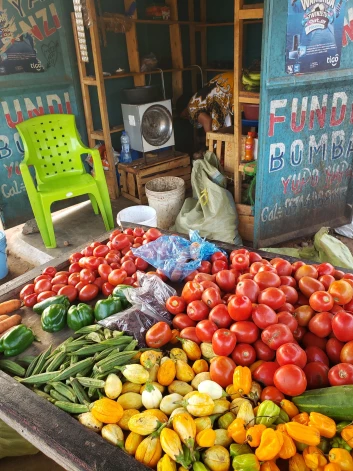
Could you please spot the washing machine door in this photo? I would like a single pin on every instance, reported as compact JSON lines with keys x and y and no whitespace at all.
{"x":157,"y":125}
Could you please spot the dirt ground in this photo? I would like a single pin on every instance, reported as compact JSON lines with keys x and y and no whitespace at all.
{"x":17,"y":267}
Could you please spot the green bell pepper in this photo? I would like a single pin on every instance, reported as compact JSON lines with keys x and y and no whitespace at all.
{"x":60,"y":299}
{"x":118,"y":293}
{"x":54,"y":317}
{"x":267,"y":413}
{"x":79,"y":316}
{"x":247,"y":462}
{"x":338,"y":442}
{"x":16,"y":341}
{"x":107,"y":307}
{"x":237,"y":450}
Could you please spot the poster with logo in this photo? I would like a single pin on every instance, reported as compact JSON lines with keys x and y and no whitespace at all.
{"x":314,"y":35}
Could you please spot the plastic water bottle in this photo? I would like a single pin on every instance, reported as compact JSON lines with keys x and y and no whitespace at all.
{"x":125,"y":155}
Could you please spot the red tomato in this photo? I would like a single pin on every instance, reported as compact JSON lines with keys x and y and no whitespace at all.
{"x":205,"y":267}
{"x":138,"y":232}
{"x":80,"y":285}
{"x":129,"y":267}
{"x":321,"y":324}
{"x":117,"y":277}
{"x":223,"y":342}
{"x":219,"y":256}
{"x":112,"y":257}
{"x":189,"y":333}
{"x":308,"y":286}
{"x":288,"y":281}
{"x":321,"y":301}
{"x":266,"y":279}
{"x":303,"y":314}
{"x":26,"y":290}
{"x":42,"y":285}
{"x":246,"y":332}
{"x":57,"y":288}
{"x":267,"y":268}
{"x":95,"y":244}
{"x":220,"y":316}
{"x":312,"y":340}
{"x":348,"y":277}
{"x":51,"y":271}
{"x":276,"y":335}
{"x":255,"y":267}
{"x":290,"y":293}
{"x":325,"y":269}
{"x":290,"y":379}
{"x":87,"y":276}
{"x":271,"y":393}
{"x":92,"y":263}
{"x":327,"y":280}
{"x":60,"y":279}
{"x":291,"y":354}
{"x":264,"y":373}
{"x":285,"y":317}
{"x":107,"y":288}
{"x":314,"y":353}
{"x":30,"y":299}
{"x":341,"y":374}
{"x":263,"y":351}
{"x":342,"y":326}
{"x":191,"y":276}
{"x":263,"y":316}
{"x":45,"y":295}
{"x":346,"y":355}
{"x":120,"y":242}
{"x":248,"y":288}
{"x":182,"y":321}
{"x":153,"y":234}
{"x":254,"y":257}
{"x":205,"y":277}
{"x":211,"y":297}
{"x":287,"y":307}
{"x":209,"y":284}
{"x":219,"y":265}
{"x":306,"y":270}
{"x":240,"y":262}
{"x":99,"y":282}
{"x":141,"y":265}
{"x":158,"y":335}
{"x":88,"y":292}
{"x":104,"y":271}
{"x":245,"y":276}
{"x":341,"y":291}
{"x":197,"y":310}
{"x":316,"y":375}
{"x":175,"y":305}
{"x":283,"y":267}
{"x":221,"y":370}
{"x":225,"y":279}
{"x":299,"y":333}
{"x":238,"y":251}
{"x":42,"y":277}
{"x":74,"y":268}
{"x":239,"y":307}
{"x":101,"y":251}
{"x":333,"y":350}
{"x":87,"y":252}
{"x":74,"y":278}
{"x":192,"y":291}
{"x":273,"y":297}
{"x":69,"y":291}
{"x":205,"y":330}
{"x":338,"y":274}
{"x":244,"y":354}
{"x":129,"y":281}
{"x":75,"y":257}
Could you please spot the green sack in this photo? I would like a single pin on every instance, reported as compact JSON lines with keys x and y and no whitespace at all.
{"x":12,"y":444}
{"x":211,"y":210}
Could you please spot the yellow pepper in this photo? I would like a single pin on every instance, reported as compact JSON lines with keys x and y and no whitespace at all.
{"x":347,"y":435}
{"x":314,"y":457}
{"x":269,"y":466}
{"x":166,"y":464}
{"x":288,"y":448}
{"x":237,"y":431}
{"x":303,"y":433}
{"x":290,"y":408}
{"x":202,"y":423}
{"x":206,"y":438}
{"x":332,"y":467}
{"x":325,"y":425}
{"x":342,"y":458}
{"x":200,"y":366}
{"x":242,"y":379}
{"x":297,"y":463}
{"x":302,"y":418}
{"x":253,"y":435}
{"x":270,"y":445}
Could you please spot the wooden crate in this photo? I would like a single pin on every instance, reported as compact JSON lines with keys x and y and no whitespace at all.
{"x":246,"y":222}
{"x":134,"y":176}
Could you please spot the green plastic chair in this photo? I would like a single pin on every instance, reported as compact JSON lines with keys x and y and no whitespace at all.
{"x":54,"y":148}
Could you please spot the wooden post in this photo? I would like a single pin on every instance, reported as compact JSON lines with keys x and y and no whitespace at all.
{"x":133,"y":50}
{"x":176,"y":50}
{"x":97,"y":60}
{"x":191,"y":9}
{"x":203,"y":18}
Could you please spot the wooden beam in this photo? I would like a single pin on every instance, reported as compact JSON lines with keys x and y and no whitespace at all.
{"x":191,"y":11}
{"x":133,"y":49}
{"x":203,"y":18}
{"x":251,"y":14}
{"x":176,"y":50}
{"x":98,"y":69}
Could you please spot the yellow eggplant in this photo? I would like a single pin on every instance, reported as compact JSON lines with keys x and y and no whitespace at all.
{"x":130,"y":387}
{"x":130,"y":400}
{"x":217,"y":458}
{"x":144,"y":424}
{"x":124,"y":421}
{"x":191,"y":349}
{"x":136,"y":374}
{"x":222,"y":438}
{"x":178,"y":354}
{"x":180,"y":387}
{"x":206,"y":438}
{"x":171,"y":445}
{"x":199,"y":404}
{"x":236,"y":403}
{"x":113,"y":434}
{"x":157,"y":413}
{"x":132,"y":442}
{"x":151,"y":397}
{"x":166,"y":464}
{"x":88,"y":420}
{"x":213,"y":389}
{"x":200,"y":366}
{"x":246,"y":413}
{"x":184,"y":372}
{"x":185,"y":427}
{"x":221,"y":406}
{"x":153,"y":373}
{"x":166,"y":373}
{"x":170,"y":403}
{"x":179,"y":410}
{"x":155,"y":384}
{"x":113,"y":386}
{"x":207,"y":350}
{"x":107,"y":411}
{"x":149,"y":451}
{"x":199,"y":378}
{"x":150,"y":358}
{"x":202,"y":423}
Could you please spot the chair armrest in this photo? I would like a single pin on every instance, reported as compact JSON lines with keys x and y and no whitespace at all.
{"x":27,"y":178}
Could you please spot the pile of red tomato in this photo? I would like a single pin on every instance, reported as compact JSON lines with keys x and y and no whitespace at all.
{"x":97,"y":268}
{"x":292,"y":324}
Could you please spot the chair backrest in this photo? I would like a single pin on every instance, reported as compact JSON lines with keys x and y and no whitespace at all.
{"x":52,"y":145}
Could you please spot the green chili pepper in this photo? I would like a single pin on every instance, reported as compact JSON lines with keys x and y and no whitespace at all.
{"x":341,"y":425}
{"x":118,"y":293}
{"x":60,"y":299}
{"x":226,"y":420}
{"x":247,"y":462}
{"x":198,"y":466}
{"x":300,"y":446}
{"x":107,"y":307}
{"x":236,"y":450}
{"x":54,"y":317}
{"x":80,"y":316}
{"x":324,"y":445}
{"x":338,"y":442}
{"x":267,"y":413}
{"x":16,"y":341}
{"x":283,"y":417}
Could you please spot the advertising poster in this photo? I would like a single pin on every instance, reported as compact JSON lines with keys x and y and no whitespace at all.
{"x":314,"y":35}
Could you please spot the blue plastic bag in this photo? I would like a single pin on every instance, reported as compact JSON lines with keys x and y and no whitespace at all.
{"x":175,"y":256}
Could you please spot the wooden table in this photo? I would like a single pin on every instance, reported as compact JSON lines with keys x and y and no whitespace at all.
{"x":51,"y":430}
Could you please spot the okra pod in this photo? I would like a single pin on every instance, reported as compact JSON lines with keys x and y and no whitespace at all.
{"x":80,"y":392}
{"x":39,"y":368}
{"x":117,"y":361}
{"x":72,"y":408}
{"x":117,"y":333}
{"x":73,"y":346}
{"x":27,"y":359}
{"x":91,"y":382}
{"x":90,"y":349}
{"x":31,"y":367}
{"x":47,"y":388}
{"x":40,"y":378}
{"x":65,"y":365}
{"x":57,"y":360}
{"x":108,"y":334}
{"x":74,"y":369}
{"x":73,"y":359}
{"x":57,"y":396}
{"x":44,"y":395}
{"x":64,"y":390}
{"x":11,"y":367}
{"x":118,"y":341}
{"x":89,"y":328}
{"x":105,"y":353}
{"x":57,"y":349}
{"x":131,"y":346}
{"x":86,"y":372}
{"x":95,"y":337}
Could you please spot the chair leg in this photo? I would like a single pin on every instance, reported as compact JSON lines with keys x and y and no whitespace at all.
{"x":103,"y":211}
{"x":94,"y":203}
{"x":41,"y":223}
{"x":49,"y":225}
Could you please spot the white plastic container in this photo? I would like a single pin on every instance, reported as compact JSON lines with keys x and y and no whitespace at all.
{"x":166,"y":195}
{"x":144,"y":215}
